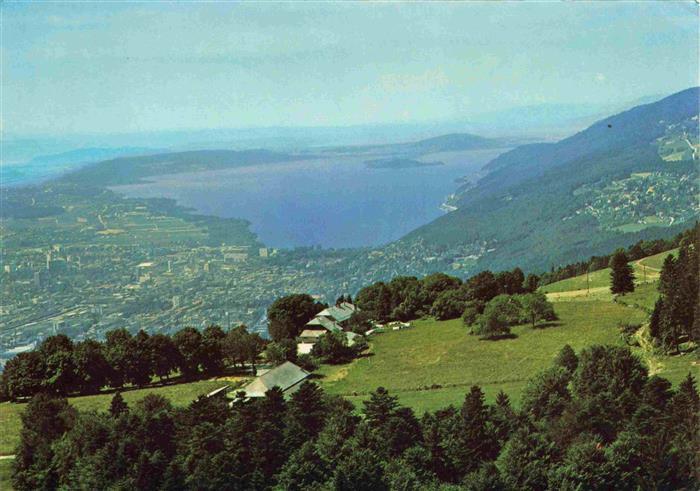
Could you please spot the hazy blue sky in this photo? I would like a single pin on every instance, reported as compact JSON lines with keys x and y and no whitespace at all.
{"x":91,"y":67}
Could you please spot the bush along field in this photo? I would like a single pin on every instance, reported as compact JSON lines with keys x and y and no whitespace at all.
{"x":181,"y":368}
{"x":180,"y":394}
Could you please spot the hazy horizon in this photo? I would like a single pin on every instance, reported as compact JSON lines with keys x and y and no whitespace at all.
{"x":121,"y":69}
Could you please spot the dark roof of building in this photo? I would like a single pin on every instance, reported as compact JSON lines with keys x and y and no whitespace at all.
{"x":287,"y":376}
{"x":324,"y":322}
{"x":339,"y":313}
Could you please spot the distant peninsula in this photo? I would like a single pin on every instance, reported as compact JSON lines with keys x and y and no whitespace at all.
{"x":399,"y":163}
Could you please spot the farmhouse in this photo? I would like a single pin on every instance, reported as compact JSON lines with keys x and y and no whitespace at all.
{"x":328,"y":320}
{"x":287,"y":377}
{"x":338,"y":313}
{"x":324,"y":324}
{"x":307,"y":339}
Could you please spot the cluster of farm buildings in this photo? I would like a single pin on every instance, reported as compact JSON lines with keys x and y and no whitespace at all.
{"x":289,"y":376}
{"x":332,"y":319}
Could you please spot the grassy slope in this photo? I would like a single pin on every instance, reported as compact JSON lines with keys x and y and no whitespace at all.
{"x":179,"y":395}
{"x":657,"y":260}
{"x":406,"y":362}
{"x":648,"y":268}
{"x":5,"y":474}
{"x":409,"y":362}
{"x":674,"y":368}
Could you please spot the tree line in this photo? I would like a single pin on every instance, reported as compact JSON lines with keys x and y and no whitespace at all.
{"x":643,"y":248}
{"x":488,"y":302}
{"x":443,"y":296}
{"x":595,"y":420}
{"x":676,"y":316}
{"x":63,"y":367}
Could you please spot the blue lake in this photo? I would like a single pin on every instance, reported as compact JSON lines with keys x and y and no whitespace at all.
{"x":335,"y":202}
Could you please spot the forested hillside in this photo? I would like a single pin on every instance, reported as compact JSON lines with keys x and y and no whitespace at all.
{"x":625,"y":178}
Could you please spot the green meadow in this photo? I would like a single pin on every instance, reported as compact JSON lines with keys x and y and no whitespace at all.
{"x":5,"y":475}
{"x":645,"y":270}
{"x":657,"y":260}
{"x":434,"y":363}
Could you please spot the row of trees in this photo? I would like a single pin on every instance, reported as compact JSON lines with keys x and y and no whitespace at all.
{"x":60,"y":366}
{"x":594,"y":421}
{"x":440,"y":295}
{"x":641,"y":249}
{"x":676,"y":315}
{"x":446,"y":297}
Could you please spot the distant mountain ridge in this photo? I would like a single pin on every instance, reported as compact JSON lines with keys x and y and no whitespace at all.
{"x":132,"y":169}
{"x":129,"y":170}
{"x":640,"y":125}
{"x":43,"y":167}
{"x":536,"y":206}
{"x":443,"y":143}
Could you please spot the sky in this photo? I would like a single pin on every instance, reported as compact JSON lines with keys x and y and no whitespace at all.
{"x":71,"y":68}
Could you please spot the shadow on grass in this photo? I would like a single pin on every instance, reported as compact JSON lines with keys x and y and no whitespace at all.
{"x":498,"y":337}
{"x":547,"y":325}
{"x":173,"y":381}
{"x":155,"y":383}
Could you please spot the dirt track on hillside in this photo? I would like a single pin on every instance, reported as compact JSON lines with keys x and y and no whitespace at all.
{"x":577,"y":293}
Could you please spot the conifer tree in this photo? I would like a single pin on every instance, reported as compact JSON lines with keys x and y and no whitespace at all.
{"x":673,"y":320}
{"x":567,"y":359}
{"x":621,"y":276}
{"x":306,"y":414}
{"x":474,"y":441}
{"x":503,"y":418}
{"x":380,"y":407}
{"x":118,"y":405}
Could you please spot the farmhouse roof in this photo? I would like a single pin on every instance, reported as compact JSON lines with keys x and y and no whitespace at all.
{"x":324,"y":322}
{"x":312,"y":333}
{"x":339,"y":314}
{"x":287,"y":377}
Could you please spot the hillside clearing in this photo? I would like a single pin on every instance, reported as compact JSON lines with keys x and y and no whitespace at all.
{"x":646,"y":270}
{"x":434,"y":363}
{"x":642,"y":299}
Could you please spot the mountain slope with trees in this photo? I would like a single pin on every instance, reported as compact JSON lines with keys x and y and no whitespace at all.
{"x":538,"y":206}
